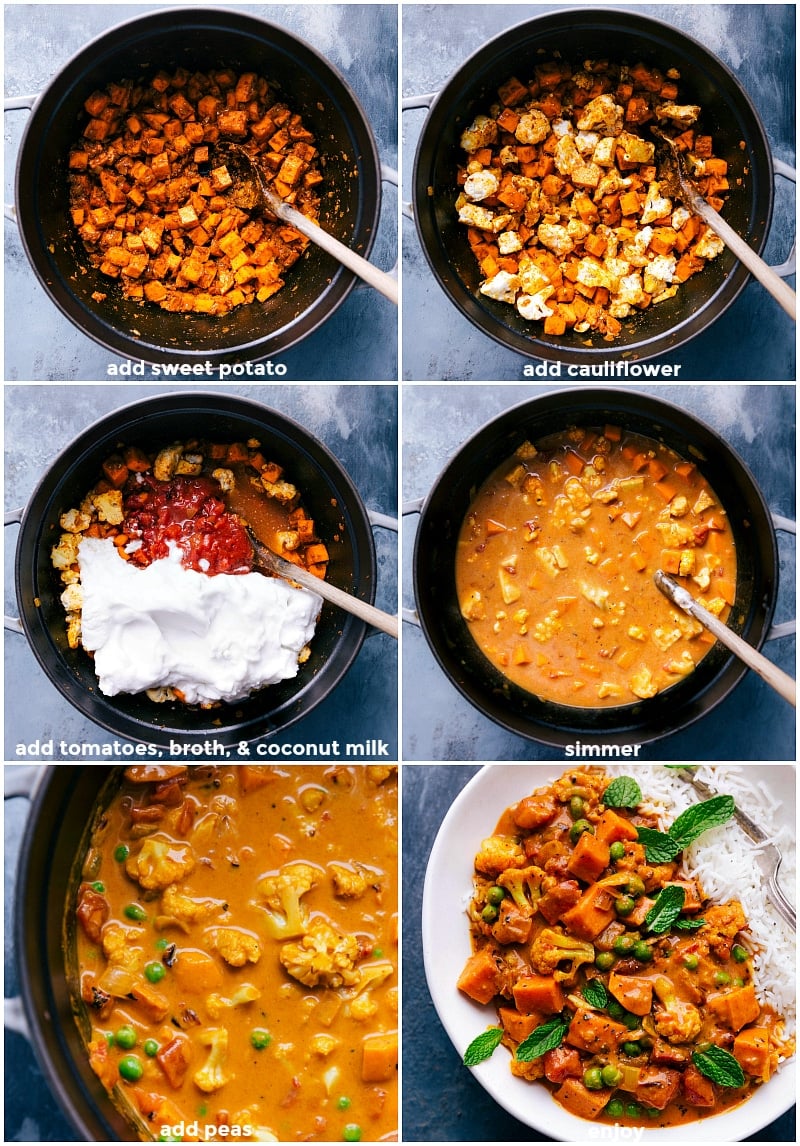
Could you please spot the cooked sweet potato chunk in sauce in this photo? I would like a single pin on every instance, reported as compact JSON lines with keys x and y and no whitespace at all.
{"x":156,"y":206}
{"x":237,"y":967}
{"x":637,"y":1002}
{"x":555,"y":564}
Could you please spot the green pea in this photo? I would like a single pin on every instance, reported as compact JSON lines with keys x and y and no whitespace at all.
{"x":150,"y":1048}
{"x":155,"y":972}
{"x":162,"y":944}
{"x":615,"y":1108}
{"x":632,"y":1022}
{"x":351,"y":1132}
{"x":489,"y":913}
{"x":202,"y":1110}
{"x":578,"y":828}
{"x":631,"y":1049}
{"x":495,"y":895}
{"x":377,"y":953}
{"x":635,"y":887}
{"x":617,"y":850}
{"x":739,"y":953}
{"x":612,"y":1075}
{"x":624,"y":905}
{"x":604,"y":961}
{"x":615,"y":1009}
{"x":642,"y":951}
{"x":260,"y":1039}
{"x":651,"y":1112}
{"x":130,"y":1068}
{"x":593,"y":1078}
{"x":135,"y":911}
{"x":623,"y":945}
{"x":125,"y":1038}
{"x":343,"y":1103}
{"x":110,"y":1040}
{"x":576,"y":806}
{"x":691,"y":962}
{"x":721,"y":978}
{"x":98,"y":886}
{"x":633,"y":1110}
{"x":737,"y":982}
{"x":121,"y":853}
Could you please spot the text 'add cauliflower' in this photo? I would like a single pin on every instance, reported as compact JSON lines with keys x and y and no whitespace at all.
{"x":323,"y":957}
{"x":282,"y":893}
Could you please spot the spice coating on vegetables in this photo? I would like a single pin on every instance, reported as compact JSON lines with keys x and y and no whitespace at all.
{"x":217,"y":1006}
{"x":569,"y":214}
{"x":617,"y":983}
{"x":156,"y":206}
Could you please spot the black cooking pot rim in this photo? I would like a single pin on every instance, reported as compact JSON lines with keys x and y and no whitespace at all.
{"x":256,"y":725}
{"x":481,"y":312}
{"x":94,"y":323}
{"x":560,"y":728}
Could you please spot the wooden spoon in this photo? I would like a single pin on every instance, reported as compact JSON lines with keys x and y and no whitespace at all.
{"x":273,"y":563}
{"x":772,"y":282}
{"x":251,"y":190}
{"x":775,"y":677}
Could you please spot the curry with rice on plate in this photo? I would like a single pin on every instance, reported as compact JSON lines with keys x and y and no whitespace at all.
{"x":618,"y":983}
{"x":233,"y":938}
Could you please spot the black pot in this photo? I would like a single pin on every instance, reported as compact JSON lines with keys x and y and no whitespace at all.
{"x":331,"y":498}
{"x":59,"y":822}
{"x":199,"y":39}
{"x":434,"y":569}
{"x":623,"y":37}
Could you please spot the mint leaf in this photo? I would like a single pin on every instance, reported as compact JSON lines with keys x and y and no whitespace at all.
{"x":595,"y":994}
{"x":622,"y":793}
{"x":688,"y":924}
{"x":483,"y":1046}
{"x":658,"y":846}
{"x":720,"y":1066}
{"x":699,"y":818}
{"x":666,"y":909}
{"x":546,"y":1037}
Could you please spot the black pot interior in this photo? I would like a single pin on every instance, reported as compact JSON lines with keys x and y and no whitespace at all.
{"x":198,"y":39}
{"x":61,"y":818}
{"x":330,"y":498}
{"x":622,"y":37}
{"x":434,"y":568}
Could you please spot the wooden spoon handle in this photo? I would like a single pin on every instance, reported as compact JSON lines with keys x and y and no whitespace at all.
{"x":335,"y":596}
{"x":775,"y":677}
{"x":772,"y":282}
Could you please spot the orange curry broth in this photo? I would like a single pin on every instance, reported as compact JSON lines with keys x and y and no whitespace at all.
{"x":201,"y":841}
{"x":555,"y":563}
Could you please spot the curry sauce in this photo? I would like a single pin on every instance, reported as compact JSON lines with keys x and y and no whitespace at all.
{"x":237,"y":951}
{"x":555,"y":563}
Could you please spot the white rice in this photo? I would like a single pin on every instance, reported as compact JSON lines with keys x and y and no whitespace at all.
{"x":730,"y":865}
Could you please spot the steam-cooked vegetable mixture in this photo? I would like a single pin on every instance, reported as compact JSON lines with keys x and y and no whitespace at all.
{"x":236,"y":937}
{"x":616,"y":982}
{"x":568,"y":214}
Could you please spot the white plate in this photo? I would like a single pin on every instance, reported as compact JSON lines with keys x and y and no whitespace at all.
{"x":446,"y":947}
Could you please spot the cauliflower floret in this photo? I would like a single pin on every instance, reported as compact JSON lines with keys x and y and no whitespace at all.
{"x":109,"y":506}
{"x":642,"y":684}
{"x":186,"y":909}
{"x":680,"y":217}
{"x":160,"y":862}
{"x":603,"y":153}
{"x":481,"y":217}
{"x":591,"y":273}
{"x":480,"y":185}
{"x":348,"y":882}
{"x":677,"y":1022}
{"x":556,"y":238}
{"x":282,"y":892}
{"x":497,"y":853}
{"x":586,"y":142}
{"x":533,"y":127}
{"x":656,"y":206}
{"x":74,"y":630}
{"x":636,"y":149}
{"x":708,"y":246}
{"x":323,"y":957}
{"x":481,"y":133}
{"x":167,"y":461}
{"x":212,"y":1074}
{"x":682,"y":114}
{"x":190,"y":465}
{"x":604,"y":114}
{"x":503,"y":286}
{"x":630,"y":290}
{"x":216,"y":1004}
{"x":74,"y":521}
{"x":567,"y":157}
{"x":659,"y":272}
{"x":533,"y":307}
{"x":282,"y":491}
{"x":532,"y":279}
{"x":635,"y":250}
{"x":72,"y":598}
{"x":551,"y":947}
{"x":226,"y":479}
{"x":119,"y":948}
{"x":509,"y":242}
{"x":236,"y":947}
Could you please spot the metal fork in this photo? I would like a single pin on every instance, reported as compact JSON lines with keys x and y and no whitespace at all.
{"x":771,"y":852}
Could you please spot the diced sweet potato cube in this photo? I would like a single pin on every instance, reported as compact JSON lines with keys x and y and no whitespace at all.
{"x":538,"y":993}
{"x":317,"y":554}
{"x":379,"y":1057}
{"x":611,"y":827}
{"x":590,"y":857}
{"x":583,"y":1103}
{"x":480,"y":978}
